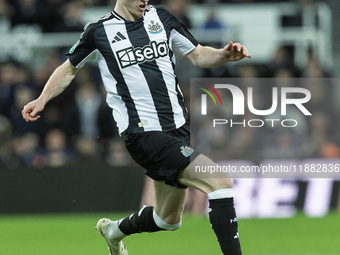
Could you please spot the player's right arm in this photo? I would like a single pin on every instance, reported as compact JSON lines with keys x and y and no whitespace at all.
{"x":55,"y":85}
{"x":82,"y":51}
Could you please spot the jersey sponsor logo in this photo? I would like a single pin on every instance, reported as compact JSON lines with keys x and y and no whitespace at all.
{"x":132,"y":56}
{"x":154,"y":28}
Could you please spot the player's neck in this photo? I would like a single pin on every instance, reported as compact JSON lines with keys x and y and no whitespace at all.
{"x":124,"y":12}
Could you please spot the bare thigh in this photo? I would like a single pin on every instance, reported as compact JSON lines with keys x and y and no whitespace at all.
{"x":169,"y":202}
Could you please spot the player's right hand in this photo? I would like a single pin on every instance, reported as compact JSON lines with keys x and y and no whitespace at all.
{"x":31,"y":110}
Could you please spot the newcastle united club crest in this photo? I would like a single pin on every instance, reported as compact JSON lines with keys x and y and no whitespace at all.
{"x":186,"y":151}
{"x":154,"y":28}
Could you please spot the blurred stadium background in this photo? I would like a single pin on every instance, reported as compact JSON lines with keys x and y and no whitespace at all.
{"x":73,"y":161}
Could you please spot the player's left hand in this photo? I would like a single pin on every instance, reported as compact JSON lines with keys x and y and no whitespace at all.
{"x":235,"y":51}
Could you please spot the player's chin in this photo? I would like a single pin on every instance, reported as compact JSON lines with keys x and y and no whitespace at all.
{"x":139,"y":13}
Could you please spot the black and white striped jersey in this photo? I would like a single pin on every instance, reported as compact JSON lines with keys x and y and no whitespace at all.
{"x":137,"y":66}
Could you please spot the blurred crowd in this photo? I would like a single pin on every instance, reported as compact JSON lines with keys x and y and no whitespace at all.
{"x":77,"y":127}
{"x":65,"y":15}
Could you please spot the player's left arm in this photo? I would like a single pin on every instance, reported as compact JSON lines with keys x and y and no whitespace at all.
{"x":209,"y":57}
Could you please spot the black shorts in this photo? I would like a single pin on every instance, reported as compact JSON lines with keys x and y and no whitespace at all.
{"x":163,"y":154}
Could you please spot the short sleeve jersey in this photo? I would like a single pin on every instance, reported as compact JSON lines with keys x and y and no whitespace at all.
{"x":137,"y":65}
